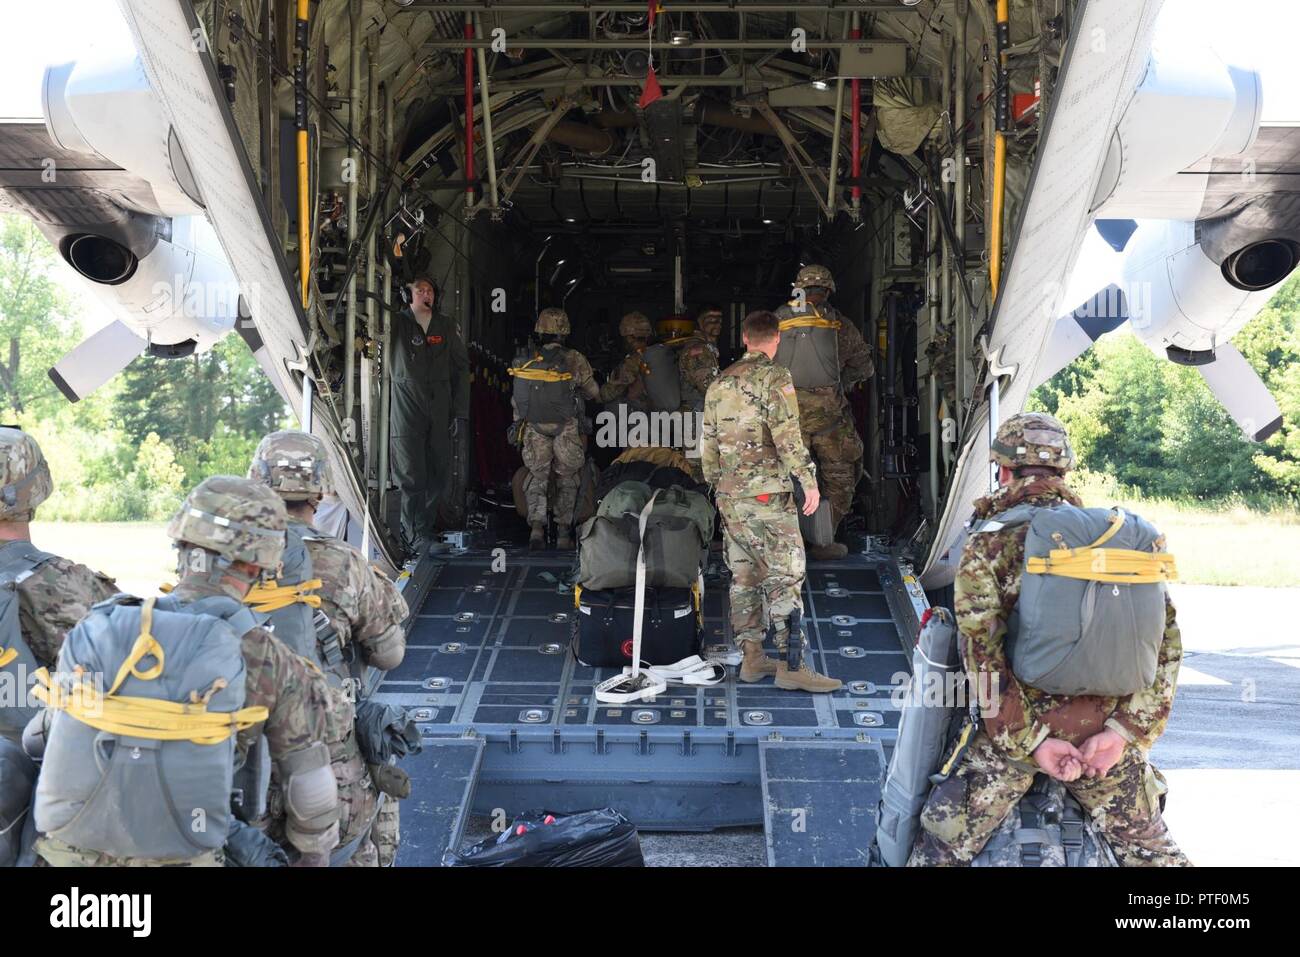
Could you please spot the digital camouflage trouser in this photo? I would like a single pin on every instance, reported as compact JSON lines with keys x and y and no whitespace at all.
{"x":962,"y":812}
{"x":831,"y":437}
{"x":559,"y":447}
{"x":766,"y":557}
{"x":55,"y":853}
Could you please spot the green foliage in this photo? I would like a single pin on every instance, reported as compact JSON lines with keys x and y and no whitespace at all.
{"x":130,"y":450}
{"x":1156,"y":427}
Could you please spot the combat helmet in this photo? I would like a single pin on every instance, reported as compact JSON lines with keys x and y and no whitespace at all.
{"x":294,"y":464}
{"x":236,"y":518}
{"x":552,"y":321}
{"x":818,"y":276}
{"x":24,"y":475}
{"x":1032,"y":438}
{"x":635,"y":326}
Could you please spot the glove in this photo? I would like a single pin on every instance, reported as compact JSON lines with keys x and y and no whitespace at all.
{"x":249,"y":847}
{"x":392,"y":780}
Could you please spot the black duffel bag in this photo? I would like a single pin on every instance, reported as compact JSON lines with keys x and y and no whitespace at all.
{"x":602,"y":632}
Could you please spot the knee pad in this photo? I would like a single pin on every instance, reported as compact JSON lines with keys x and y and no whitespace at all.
{"x":311,"y":799}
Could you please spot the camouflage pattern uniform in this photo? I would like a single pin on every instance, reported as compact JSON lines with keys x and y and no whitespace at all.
{"x":627,"y":380}
{"x":825,"y":419}
{"x":998,"y":767}
{"x":296,"y":695}
{"x":749,"y":448}
{"x":561,"y":447}
{"x":366,"y":611}
{"x":697,"y":367}
{"x":59,"y":592}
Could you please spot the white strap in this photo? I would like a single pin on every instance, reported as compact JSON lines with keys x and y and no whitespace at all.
{"x":626,"y":688}
{"x":693,"y":671}
{"x":638,"y":607}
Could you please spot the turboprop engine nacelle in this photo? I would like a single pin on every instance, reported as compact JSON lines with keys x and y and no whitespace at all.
{"x":1182,"y":303}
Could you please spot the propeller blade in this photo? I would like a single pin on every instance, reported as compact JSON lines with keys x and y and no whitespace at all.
{"x":1075,"y":332}
{"x":96,"y":360}
{"x":1242,"y":393}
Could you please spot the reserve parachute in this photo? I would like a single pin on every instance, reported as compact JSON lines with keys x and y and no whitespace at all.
{"x":662,"y":386}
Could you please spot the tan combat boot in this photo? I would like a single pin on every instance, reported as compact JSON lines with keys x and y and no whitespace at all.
{"x":756,"y":665}
{"x":537,"y":538}
{"x":564,"y":541}
{"x":827,"y":553}
{"x":805,"y":679}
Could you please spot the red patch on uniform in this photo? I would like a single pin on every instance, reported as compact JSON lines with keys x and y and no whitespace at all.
{"x":433,"y":340}
{"x":626,"y":648}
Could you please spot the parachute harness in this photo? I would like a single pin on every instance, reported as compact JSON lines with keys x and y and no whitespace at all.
{"x":1113,"y":565}
{"x":271,"y":596}
{"x":146,"y":717}
{"x":538,"y":375}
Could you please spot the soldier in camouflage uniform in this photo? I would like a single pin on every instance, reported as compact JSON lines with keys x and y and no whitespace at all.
{"x":229,"y":534}
{"x":749,"y":448}
{"x":547,"y":417}
{"x":697,"y":359}
{"x":1097,"y":746}
{"x":627,"y":379}
{"x":365,"y":611}
{"x":825,"y":367}
{"x":53,"y":593}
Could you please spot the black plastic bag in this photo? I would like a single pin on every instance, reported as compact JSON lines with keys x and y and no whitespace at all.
{"x":599,"y":838}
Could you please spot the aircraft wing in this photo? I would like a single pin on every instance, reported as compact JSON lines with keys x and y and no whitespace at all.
{"x":1105,"y":59}
{"x":184,"y":77}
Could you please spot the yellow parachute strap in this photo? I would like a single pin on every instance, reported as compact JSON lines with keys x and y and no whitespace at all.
{"x":538,"y":375}
{"x":146,"y":717}
{"x":270,"y":596}
{"x":963,"y":740}
{"x":1112,"y":565}
{"x":166,"y":588}
{"x":577,"y":596}
{"x":8,"y":655}
{"x":815,"y":321}
{"x":677,"y":341}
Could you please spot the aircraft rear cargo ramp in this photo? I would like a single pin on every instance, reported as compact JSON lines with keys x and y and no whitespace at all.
{"x":488,"y":660}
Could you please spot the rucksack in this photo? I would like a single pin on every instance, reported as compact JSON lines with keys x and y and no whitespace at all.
{"x":677,"y":536}
{"x":114,"y":779}
{"x":1091,"y":614}
{"x":809,"y":348}
{"x":543,"y":389}
{"x":17,"y":663}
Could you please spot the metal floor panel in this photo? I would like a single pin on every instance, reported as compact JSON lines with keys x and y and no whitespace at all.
{"x":443,"y":777}
{"x":488,"y":657}
{"x":819,"y":801}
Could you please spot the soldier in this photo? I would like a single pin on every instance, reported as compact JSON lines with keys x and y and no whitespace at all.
{"x":826,"y":356}
{"x":53,"y":594}
{"x":749,"y":448}
{"x":1097,"y":745}
{"x":363,"y":613}
{"x":697,"y":358}
{"x":161,"y":796}
{"x":548,"y":411}
{"x":646,"y":379}
{"x":430,"y":405}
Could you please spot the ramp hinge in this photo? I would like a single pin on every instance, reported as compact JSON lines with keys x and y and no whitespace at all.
{"x":600,"y":742}
{"x":730,"y":747}
{"x":557,"y":745}
{"x":688,"y":749}
{"x":513,"y":745}
{"x":643,"y":744}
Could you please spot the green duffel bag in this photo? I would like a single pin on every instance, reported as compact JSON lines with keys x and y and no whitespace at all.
{"x":677,"y":536}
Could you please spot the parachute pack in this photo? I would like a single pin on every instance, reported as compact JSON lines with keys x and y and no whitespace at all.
{"x":1091,"y":614}
{"x":17,"y":663}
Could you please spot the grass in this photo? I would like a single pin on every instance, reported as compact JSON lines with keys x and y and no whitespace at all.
{"x":1233,"y":541}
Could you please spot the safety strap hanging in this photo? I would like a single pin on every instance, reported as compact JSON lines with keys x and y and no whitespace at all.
{"x":148,"y":718}
{"x":637,"y":685}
